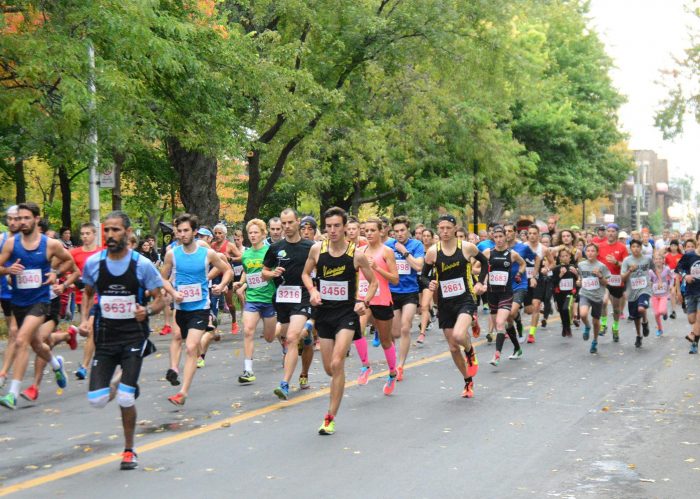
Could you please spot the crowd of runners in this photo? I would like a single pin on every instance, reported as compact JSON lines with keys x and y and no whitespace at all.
{"x":333,"y":290}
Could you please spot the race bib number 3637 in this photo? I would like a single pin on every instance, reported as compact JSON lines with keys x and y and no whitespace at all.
{"x":118,"y":307}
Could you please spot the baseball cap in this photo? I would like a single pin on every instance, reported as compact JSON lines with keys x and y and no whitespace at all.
{"x":613,"y":226}
{"x":622,"y":234}
{"x":601,"y":227}
{"x":203,"y":231}
{"x":308,"y":219}
{"x":448,"y":218}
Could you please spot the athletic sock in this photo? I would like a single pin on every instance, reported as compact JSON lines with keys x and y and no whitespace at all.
{"x":248,"y":365}
{"x":390,"y":354}
{"x":533,"y":330}
{"x":500,"y":340}
{"x":55,"y":365}
{"x":514,"y":339}
{"x":616,"y":325}
{"x":15,"y":385}
{"x":604,"y":321}
{"x":362,"y":350}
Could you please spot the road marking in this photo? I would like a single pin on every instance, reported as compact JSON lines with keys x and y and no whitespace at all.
{"x":172,"y":439}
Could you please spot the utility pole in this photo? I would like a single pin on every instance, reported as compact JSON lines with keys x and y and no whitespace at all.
{"x":94,"y":187}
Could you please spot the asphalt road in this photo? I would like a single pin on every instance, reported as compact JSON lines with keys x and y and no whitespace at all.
{"x":559,"y":422}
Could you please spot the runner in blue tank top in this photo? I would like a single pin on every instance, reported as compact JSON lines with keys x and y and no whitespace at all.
{"x":190,"y":264}
{"x":12,"y":230}
{"x":30,"y":254}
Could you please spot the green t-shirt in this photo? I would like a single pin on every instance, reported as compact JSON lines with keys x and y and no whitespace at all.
{"x":258,"y":290}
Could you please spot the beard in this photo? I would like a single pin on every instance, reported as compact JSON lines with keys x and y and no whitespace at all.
{"x":29,"y":229}
{"x":115,"y":246}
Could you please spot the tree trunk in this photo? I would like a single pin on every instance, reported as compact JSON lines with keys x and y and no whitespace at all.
{"x":197,"y":175}
{"x":119,"y":159}
{"x":20,"y":182}
{"x":64,"y":184}
{"x":252,"y":206}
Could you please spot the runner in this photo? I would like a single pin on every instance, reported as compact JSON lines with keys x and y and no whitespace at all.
{"x":501,"y":259}
{"x":222,"y":245}
{"x":456,"y":294}
{"x":536,"y":273}
{"x":13,"y":227}
{"x":190,"y":264}
{"x":258,"y":296}
{"x":275,"y":228}
{"x":662,"y":279}
{"x":336,"y":263}
{"x":284,"y":262}
{"x":592,"y":278}
{"x":426,"y":296}
{"x":32,"y":277}
{"x":382,"y":262}
{"x":672,"y":257}
{"x":635,"y":273}
{"x":688,"y":270}
{"x":611,"y":253}
{"x":564,"y":277}
{"x":409,"y":255}
{"x":118,"y":276}
{"x":352,"y":233}
{"x":519,"y":285}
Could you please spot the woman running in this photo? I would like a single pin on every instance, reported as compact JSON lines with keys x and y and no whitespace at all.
{"x":661,"y":285}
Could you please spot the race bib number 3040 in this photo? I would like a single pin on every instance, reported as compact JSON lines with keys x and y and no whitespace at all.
{"x":29,"y":279}
{"x":118,"y":307}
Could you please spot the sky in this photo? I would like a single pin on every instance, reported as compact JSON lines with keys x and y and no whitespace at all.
{"x":642,"y":37}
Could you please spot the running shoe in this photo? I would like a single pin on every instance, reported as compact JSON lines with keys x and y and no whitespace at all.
{"x":616,"y":333}
{"x":563,"y":332}
{"x":517,"y":354}
{"x":472,"y":362}
{"x":171,"y":375}
{"x":282,"y":391}
{"x":30,"y":394}
{"x":659,"y":333}
{"x":530,"y":338}
{"x":399,"y":373}
{"x":246,"y":378}
{"x":365,"y":373}
{"x":200,"y":362}
{"x":693,"y":350}
{"x":177,"y":399}
{"x":577,"y":323}
{"x":496,"y":359}
{"x":390,"y":385}
{"x":603,"y":330}
{"x":129,"y":461}
{"x":673,"y":314}
{"x":165,"y":330}
{"x":9,"y":401}
{"x":468,"y":391}
{"x":586,"y":332}
{"x":375,"y":340}
{"x":328,"y":426}
{"x":421,"y":339}
{"x":638,"y":342}
{"x":72,"y":337}
{"x":489,"y":337}
{"x":304,"y":382}
{"x":645,"y":329}
{"x":476,"y":328}
{"x":60,"y":373}
{"x":543,"y":323}
{"x":594,"y":346}
{"x":234,"y":328}
{"x":665,"y":316}
{"x":81,"y":373}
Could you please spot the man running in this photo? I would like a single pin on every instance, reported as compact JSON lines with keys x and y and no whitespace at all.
{"x":336,"y":263}
{"x":119,"y":276}
{"x":190,"y":292}
{"x":536,"y":273}
{"x":688,"y":270}
{"x":451,"y":260}
{"x":611,"y":253}
{"x":222,"y":245}
{"x":635,"y":275}
{"x":409,"y":255}
{"x":12,"y":230}
{"x":284,"y":262}
{"x":31,"y":253}
{"x":275,"y":229}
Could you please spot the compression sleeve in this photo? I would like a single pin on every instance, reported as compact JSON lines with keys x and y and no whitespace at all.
{"x":425,"y":274}
{"x":479,"y":257}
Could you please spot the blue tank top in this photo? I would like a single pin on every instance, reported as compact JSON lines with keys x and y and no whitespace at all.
{"x":191,"y":271}
{"x":5,"y":289}
{"x":27,"y":287}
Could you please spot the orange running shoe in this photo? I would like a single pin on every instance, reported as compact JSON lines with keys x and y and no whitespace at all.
{"x":399,"y":373}
{"x":472,"y":362}
{"x":166,"y":330}
{"x":73,"y":338}
{"x":178,"y":399}
{"x":234,"y":328}
{"x":468,"y":391}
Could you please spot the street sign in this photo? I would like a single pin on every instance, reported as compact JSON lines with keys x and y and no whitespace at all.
{"x":107,"y":179}
{"x":609,"y":218}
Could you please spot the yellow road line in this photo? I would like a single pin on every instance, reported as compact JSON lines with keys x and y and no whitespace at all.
{"x":172,"y":439}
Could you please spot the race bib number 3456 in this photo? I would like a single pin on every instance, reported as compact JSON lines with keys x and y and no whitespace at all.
{"x":334,"y":290}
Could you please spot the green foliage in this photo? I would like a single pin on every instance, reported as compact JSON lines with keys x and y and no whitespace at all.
{"x":656,"y":221}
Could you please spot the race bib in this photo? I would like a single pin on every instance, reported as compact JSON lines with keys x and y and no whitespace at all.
{"x":452,"y":287}
{"x":118,"y":307}
{"x":615,"y":281}
{"x":659,"y":288}
{"x":638,"y":282}
{"x":190,"y":292}
{"x":288,"y":294}
{"x":590,"y":283}
{"x":255,"y":281}
{"x":498,"y":278}
{"x":363,"y":286}
{"x":695,"y":271}
{"x":529,"y":272}
{"x":566,"y":284}
{"x":334,"y":290}
{"x":237,"y":270}
{"x":403,"y":267}
{"x":29,"y":279}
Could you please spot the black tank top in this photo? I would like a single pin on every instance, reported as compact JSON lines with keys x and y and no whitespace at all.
{"x":499,"y":279}
{"x":337,"y":278}
{"x":453,"y":274}
{"x":118,"y":296}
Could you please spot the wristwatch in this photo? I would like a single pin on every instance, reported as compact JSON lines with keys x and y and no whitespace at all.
{"x":149,"y":311}
{"x":405,"y":254}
